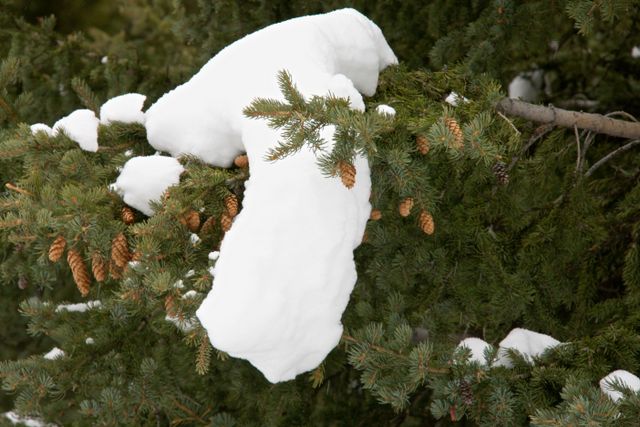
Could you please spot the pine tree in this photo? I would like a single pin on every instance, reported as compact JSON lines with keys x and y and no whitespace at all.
{"x":512,"y":223}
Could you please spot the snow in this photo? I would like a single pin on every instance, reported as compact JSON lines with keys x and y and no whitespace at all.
{"x":179,"y":284}
{"x":626,"y":378}
{"x":635,"y":52}
{"x":89,"y":341}
{"x":145,"y":178}
{"x":26,"y":421}
{"x":185,"y":325}
{"x":41,"y":127}
{"x":527,"y":86}
{"x":190,"y":273}
{"x":194,"y":239}
{"x":54,"y":353}
{"x":286,"y":267}
{"x":530,"y":344}
{"x":124,"y":108}
{"x":104,"y":59}
{"x":79,"y":307}
{"x":82,"y":127}
{"x":454,"y":99}
{"x":214,"y":255}
{"x":190,"y":294}
{"x":386,"y":109}
{"x":477,"y":347}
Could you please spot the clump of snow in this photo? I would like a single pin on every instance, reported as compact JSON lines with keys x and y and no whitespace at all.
{"x":190,"y":294}
{"x":145,"y":178}
{"x":41,"y":127}
{"x":79,"y":307}
{"x":54,"y":353}
{"x":178,"y":284}
{"x":190,"y":273}
{"x":214,"y":255}
{"x":89,"y":341}
{"x":26,"y":421}
{"x":477,"y":347}
{"x":104,"y":59}
{"x":530,"y":344}
{"x":635,"y":52}
{"x":386,"y":109}
{"x":124,"y":108}
{"x":185,"y":324}
{"x":623,"y":377}
{"x":194,"y":239}
{"x":527,"y":86}
{"x":286,"y":267}
{"x":82,"y":127}
{"x":454,"y":99}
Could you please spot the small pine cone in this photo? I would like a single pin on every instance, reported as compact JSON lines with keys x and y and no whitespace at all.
{"x":79,"y":271}
{"x":128,"y":217}
{"x":375,"y":215}
{"x":120,"y":250}
{"x":191,"y":220}
{"x":231,"y":204}
{"x":347,"y":174}
{"x":455,"y":129}
{"x":241,"y":161}
{"x":57,"y":249}
{"x":114,"y":271}
{"x":225,"y":222}
{"x":501,"y":173}
{"x":423,"y":144}
{"x":170,"y":305}
{"x":208,"y":226}
{"x":426,"y":222}
{"x":98,"y":267}
{"x":466,"y":393}
{"x":405,"y":207}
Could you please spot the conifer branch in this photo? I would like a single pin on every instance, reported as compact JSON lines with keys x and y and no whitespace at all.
{"x":568,"y":119}
{"x":9,"y":110}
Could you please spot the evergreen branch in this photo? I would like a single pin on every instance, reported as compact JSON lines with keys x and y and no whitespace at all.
{"x":13,"y":115}
{"x":611,"y":155}
{"x":568,"y":119}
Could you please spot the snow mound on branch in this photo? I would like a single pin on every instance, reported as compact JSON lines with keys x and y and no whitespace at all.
{"x":145,"y":178}
{"x":82,"y":127}
{"x":386,"y":109}
{"x":79,"y":307}
{"x":454,"y":99}
{"x":527,"y":86}
{"x":26,"y":421}
{"x":125,"y":108}
{"x":286,"y":267}
{"x":54,"y":353}
{"x":626,"y":378}
{"x":41,"y":127}
{"x":530,"y":344}
{"x":477,"y":347}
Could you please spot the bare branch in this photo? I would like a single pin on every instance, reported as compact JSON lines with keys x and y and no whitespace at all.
{"x":609,"y":156}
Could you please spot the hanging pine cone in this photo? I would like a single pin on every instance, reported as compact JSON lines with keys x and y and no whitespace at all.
{"x":231,"y":204}
{"x":501,"y":173}
{"x":425,"y":221}
{"x":191,"y":219}
{"x":57,"y":249}
{"x":466,"y":393}
{"x":98,"y":267}
{"x":120,"y":250}
{"x":225,"y":222}
{"x":79,"y":271}
{"x":375,"y":215}
{"x":208,"y":226}
{"x":347,"y":174}
{"x":455,"y":129}
{"x":128,"y":217}
{"x":423,"y":144}
{"x":242,"y":161}
{"x":405,"y":207}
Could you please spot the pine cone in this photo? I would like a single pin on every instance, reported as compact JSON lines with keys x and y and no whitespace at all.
{"x":208,"y":226}
{"x":426,"y":222}
{"x":466,"y":392}
{"x":169,"y":305}
{"x":501,"y":173}
{"x":57,"y":249}
{"x":241,"y":161}
{"x":375,"y":215}
{"x":226,"y":221}
{"x":423,"y":144}
{"x":405,"y":207}
{"x":98,"y":267}
{"x":231,"y":204}
{"x":128,"y":217}
{"x":120,"y":251}
{"x":347,"y":174}
{"x":114,"y":271}
{"x":455,"y":129}
{"x":191,"y":219}
{"x":79,"y":271}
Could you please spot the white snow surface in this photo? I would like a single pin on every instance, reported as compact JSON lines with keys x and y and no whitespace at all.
{"x":125,"y":108}
{"x":386,"y":109}
{"x":145,"y":178}
{"x":82,"y":127}
{"x":530,"y":344}
{"x":454,"y":99}
{"x":477,"y":347}
{"x":286,"y":268}
{"x":79,"y":307}
{"x":214,"y":255}
{"x":635,"y":52}
{"x":625,"y":377}
{"x":527,"y":86}
{"x":54,"y":353}
{"x":26,"y":421}
{"x":41,"y":127}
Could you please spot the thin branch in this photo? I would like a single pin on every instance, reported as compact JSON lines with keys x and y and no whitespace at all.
{"x":579,"y":154}
{"x":510,"y":123}
{"x":12,"y":187}
{"x":611,"y":155}
{"x":568,"y":119}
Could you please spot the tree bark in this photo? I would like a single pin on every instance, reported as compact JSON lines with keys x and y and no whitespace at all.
{"x":569,"y":119}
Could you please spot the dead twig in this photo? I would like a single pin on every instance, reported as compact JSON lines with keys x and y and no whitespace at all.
{"x":611,"y":155}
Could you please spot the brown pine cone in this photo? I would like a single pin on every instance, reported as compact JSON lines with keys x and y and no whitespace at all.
{"x":347,"y":174}
{"x":455,"y":129}
{"x":405,"y":207}
{"x":225,"y":222}
{"x":169,"y":305}
{"x":128,"y":217}
{"x":208,"y":226}
{"x":120,"y":250}
{"x":98,"y":267}
{"x":501,"y":172}
{"x":375,"y":215}
{"x":242,"y":161}
{"x":231,"y":204}
{"x":191,"y":219}
{"x":423,"y":144}
{"x":79,"y":271}
{"x":57,"y":249}
{"x":425,"y":221}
